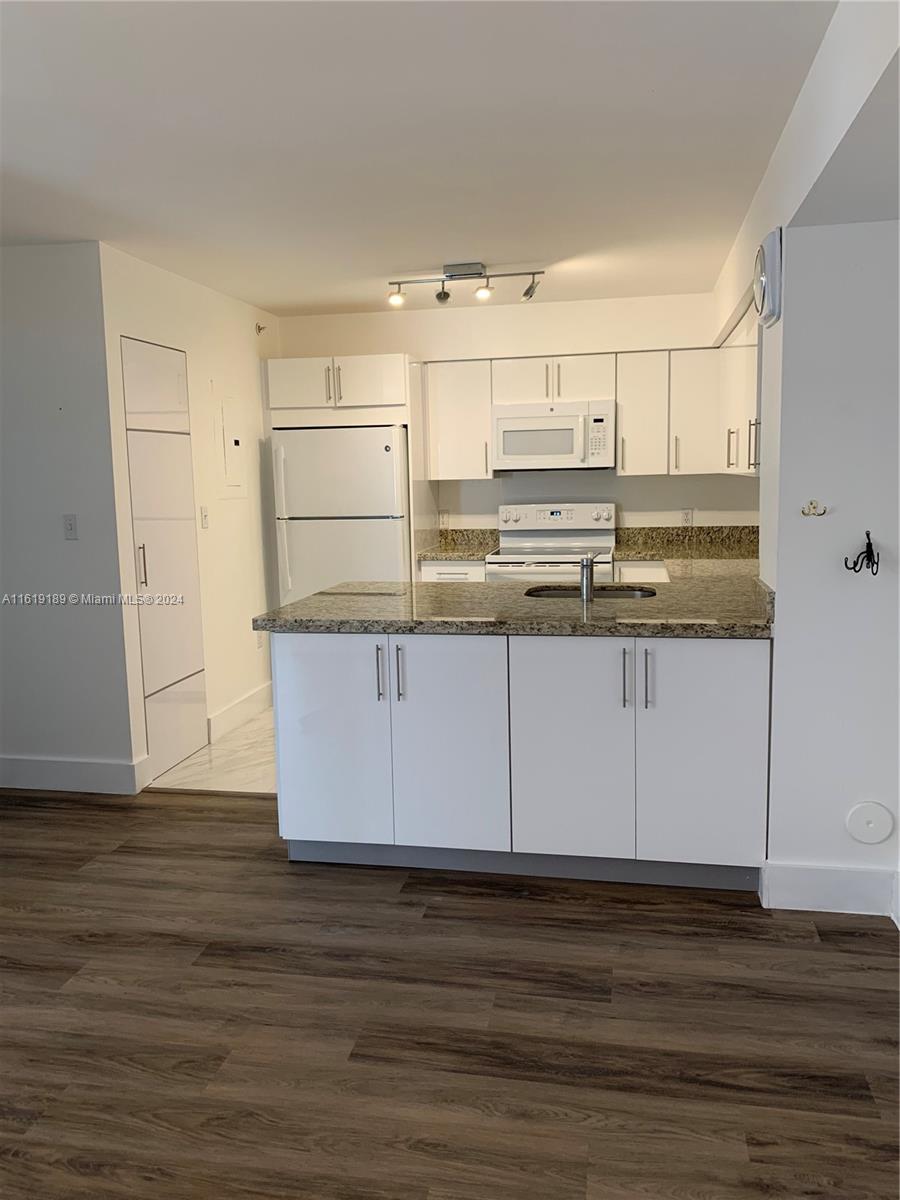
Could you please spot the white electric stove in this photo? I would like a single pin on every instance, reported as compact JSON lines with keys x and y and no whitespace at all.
{"x":548,"y":541}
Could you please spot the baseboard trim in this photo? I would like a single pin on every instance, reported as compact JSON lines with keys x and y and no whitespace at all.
{"x":239,"y":711}
{"x":828,"y":888}
{"x":553,"y":866}
{"x":100,"y":775}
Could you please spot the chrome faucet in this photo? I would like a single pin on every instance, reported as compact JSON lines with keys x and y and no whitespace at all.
{"x":587,"y":579}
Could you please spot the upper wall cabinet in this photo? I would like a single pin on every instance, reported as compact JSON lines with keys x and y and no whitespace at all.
{"x":543,"y":380}
{"x":642,"y":403}
{"x":458,"y":407}
{"x":155,"y":384}
{"x":352,"y":381}
{"x":695,"y":444}
{"x":740,"y":410}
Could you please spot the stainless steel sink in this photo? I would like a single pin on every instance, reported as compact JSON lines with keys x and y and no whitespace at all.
{"x":603,"y":591}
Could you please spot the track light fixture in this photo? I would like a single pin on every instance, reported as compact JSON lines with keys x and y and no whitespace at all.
{"x":454,"y":272}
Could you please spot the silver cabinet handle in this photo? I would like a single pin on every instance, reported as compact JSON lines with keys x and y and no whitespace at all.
{"x":646,"y":678}
{"x":487,"y":469}
{"x":452,"y":574}
{"x":328,"y":385}
{"x":142,"y":551}
{"x":622,"y":453}
{"x":755,"y":461}
{"x":547,"y":380}
{"x":400,"y":692}
{"x":624,"y":677}
{"x":732,"y":433}
{"x":749,"y":445}
{"x":677,"y":452}
{"x":559,"y":380}
{"x":379,"y":679}
{"x":340,"y":390}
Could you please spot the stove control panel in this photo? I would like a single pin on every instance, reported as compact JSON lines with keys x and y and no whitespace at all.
{"x":559,"y":515}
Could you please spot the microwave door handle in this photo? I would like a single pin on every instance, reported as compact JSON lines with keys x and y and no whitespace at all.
{"x":584,"y":439}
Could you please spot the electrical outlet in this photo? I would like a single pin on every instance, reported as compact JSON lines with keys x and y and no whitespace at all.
{"x":70,"y":527}
{"x":687,"y":517}
{"x":444,"y":518}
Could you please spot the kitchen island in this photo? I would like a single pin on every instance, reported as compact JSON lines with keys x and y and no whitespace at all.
{"x":470,"y":725}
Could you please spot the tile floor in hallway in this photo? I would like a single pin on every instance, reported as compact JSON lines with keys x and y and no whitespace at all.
{"x":243,"y":761}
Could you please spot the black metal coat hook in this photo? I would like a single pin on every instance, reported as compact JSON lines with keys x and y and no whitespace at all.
{"x":866,"y":558}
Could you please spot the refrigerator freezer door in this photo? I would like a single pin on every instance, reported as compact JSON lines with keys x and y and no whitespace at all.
{"x":314,"y":555}
{"x":340,"y":472}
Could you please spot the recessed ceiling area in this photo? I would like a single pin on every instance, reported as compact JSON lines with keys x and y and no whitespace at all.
{"x":300,"y":155}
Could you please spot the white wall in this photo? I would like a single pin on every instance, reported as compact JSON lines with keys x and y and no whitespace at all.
{"x":835,"y":713}
{"x":63,"y":708}
{"x":494,"y":331}
{"x":223,"y":357}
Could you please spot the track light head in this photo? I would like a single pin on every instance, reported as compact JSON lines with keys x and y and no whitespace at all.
{"x":485,"y":291}
{"x":397,"y":299}
{"x":442,"y":296}
{"x":531,"y":289}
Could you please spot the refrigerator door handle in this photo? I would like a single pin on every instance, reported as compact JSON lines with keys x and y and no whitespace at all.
{"x":281,"y":481}
{"x":285,"y":554}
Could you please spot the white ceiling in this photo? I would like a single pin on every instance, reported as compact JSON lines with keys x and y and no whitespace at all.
{"x":299,"y":155}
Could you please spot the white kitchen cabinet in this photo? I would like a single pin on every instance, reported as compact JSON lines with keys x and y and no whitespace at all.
{"x":695,"y":412}
{"x":452,"y":571}
{"x":301,"y":383}
{"x":702,"y":750}
{"x":351,"y":381}
{"x":450,"y":731}
{"x":458,"y":413}
{"x":333,"y":737}
{"x":642,"y":407}
{"x":740,"y":424}
{"x":572,"y":745}
{"x":155,"y":385}
{"x":584,"y":377}
{"x":521,"y":380}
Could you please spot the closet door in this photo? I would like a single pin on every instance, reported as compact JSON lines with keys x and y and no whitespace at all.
{"x":155,"y":383}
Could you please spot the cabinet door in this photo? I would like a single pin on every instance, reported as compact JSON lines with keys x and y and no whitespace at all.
{"x":584,"y":377}
{"x":450,"y":721}
{"x":702,"y":750}
{"x":695,"y":423}
{"x":521,"y":380}
{"x":571,"y":707}
{"x":333,"y":737}
{"x":155,"y":383}
{"x":301,"y":383}
{"x":364,"y":380}
{"x":642,"y":401}
{"x":459,"y":420}
{"x":739,"y":408}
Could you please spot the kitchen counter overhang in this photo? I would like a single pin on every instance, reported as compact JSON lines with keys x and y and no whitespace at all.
{"x":719,"y":604}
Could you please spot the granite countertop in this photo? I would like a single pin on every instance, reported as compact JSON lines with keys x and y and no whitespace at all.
{"x":704,"y":598}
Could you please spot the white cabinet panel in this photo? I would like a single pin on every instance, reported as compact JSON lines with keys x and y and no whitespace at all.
{"x":695,"y":425}
{"x":301,"y":383}
{"x":584,"y":377}
{"x":450,"y":721}
{"x":572,"y":745}
{"x":362,"y":380}
{"x":333,"y":737}
{"x":521,"y":380}
{"x":171,"y":634}
{"x":161,"y":474}
{"x":446,"y":571}
{"x":155,"y":384}
{"x":642,"y":401}
{"x":459,"y":420}
{"x":176,"y":723}
{"x":702,"y":750}
{"x":739,"y":409}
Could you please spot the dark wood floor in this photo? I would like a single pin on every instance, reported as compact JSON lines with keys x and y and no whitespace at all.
{"x":189,"y":1016}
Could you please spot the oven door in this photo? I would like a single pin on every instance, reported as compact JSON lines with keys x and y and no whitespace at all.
{"x":551,"y":441}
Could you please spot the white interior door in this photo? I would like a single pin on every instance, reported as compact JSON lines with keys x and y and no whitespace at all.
{"x":521,"y":380}
{"x":642,"y":401}
{"x":459,"y":420}
{"x":695,"y":423}
{"x":357,"y":472}
{"x":450,"y":722}
{"x":702,"y":750}
{"x":333,"y":737}
{"x":584,"y":377}
{"x":314,"y":555}
{"x":155,"y":383}
{"x":301,"y":383}
{"x":571,"y":706}
{"x":169,"y":584}
{"x":370,"y":379}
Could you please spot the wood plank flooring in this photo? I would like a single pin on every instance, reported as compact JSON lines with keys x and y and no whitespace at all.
{"x":189,"y":1016}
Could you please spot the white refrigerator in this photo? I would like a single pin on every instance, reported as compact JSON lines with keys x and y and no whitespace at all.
{"x":341,"y":507}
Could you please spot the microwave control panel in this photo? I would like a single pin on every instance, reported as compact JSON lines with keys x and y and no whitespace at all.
{"x":599,"y":437}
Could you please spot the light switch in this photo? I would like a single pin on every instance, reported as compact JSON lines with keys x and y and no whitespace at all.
{"x":70,"y":527}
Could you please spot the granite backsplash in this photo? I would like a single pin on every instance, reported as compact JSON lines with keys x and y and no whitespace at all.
{"x":633,"y":542}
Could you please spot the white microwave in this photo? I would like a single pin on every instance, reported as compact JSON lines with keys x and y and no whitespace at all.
{"x":554,"y":437}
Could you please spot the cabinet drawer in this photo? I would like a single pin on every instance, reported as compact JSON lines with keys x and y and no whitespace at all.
{"x":457,"y":571}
